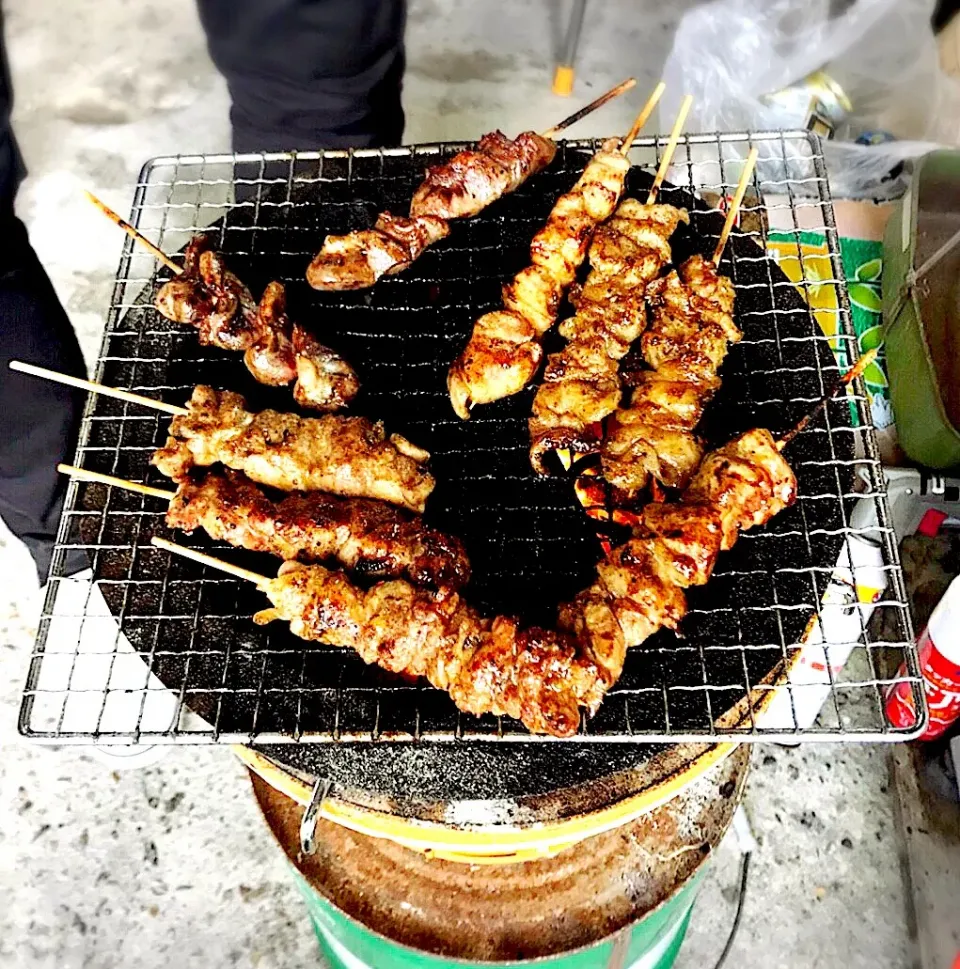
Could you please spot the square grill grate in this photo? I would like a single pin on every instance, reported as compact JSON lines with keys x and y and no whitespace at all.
{"x":163,"y":650}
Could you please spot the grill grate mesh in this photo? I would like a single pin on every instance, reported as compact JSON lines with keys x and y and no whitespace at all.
{"x":185,"y":664}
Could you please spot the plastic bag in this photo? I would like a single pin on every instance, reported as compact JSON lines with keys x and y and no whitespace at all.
{"x":730,"y":54}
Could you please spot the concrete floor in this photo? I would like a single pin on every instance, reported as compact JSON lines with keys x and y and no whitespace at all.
{"x":171,"y":865}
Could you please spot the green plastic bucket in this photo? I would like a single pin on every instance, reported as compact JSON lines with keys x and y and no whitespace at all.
{"x":650,"y":943}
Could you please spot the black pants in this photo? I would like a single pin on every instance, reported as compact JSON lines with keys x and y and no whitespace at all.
{"x":302,"y":74}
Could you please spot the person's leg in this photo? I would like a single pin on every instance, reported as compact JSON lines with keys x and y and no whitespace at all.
{"x":306,"y":74}
{"x":38,"y":419}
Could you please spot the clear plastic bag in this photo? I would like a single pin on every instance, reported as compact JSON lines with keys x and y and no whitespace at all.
{"x":732,"y":54}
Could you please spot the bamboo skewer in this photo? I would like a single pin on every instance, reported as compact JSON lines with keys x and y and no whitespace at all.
{"x":671,"y":148}
{"x":95,"y":388}
{"x":134,"y":234}
{"x":189,"y":553}
{"x":563,"y":454}
{"x":855,"y":371}
{"x":642,"y":118}
{"x":735,"y":205}
{"x":85,"y":474}
{"x":599,"y":102}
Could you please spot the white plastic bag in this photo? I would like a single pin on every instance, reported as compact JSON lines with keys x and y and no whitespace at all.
{"x":729,"y":54}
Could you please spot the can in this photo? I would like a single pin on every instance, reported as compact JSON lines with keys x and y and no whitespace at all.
{"x":816,"y":102}
{"x":939,"y":652}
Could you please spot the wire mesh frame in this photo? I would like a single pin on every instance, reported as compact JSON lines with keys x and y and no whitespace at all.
{"x":791,"y":178}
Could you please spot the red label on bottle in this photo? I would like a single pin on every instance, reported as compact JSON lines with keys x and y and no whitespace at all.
{"x":941,"y":687}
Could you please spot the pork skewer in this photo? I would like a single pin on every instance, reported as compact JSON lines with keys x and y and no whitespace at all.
{"x":459,"y":188}
{"x":368,"y":537}
{"x":487,"y":666}
{"x":685,"y":343}
{"x":504,"y":350}
{"x":581,"y":384}
{"x":347,"y":456}
{"x":207,"y":296}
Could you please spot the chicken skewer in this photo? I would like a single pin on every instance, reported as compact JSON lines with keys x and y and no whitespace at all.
{"x":487,"y":666}
{"x":685,"y":343}
{"x":504,"y":350}
{"x":368,"y":537}
{"x":459,"y":188}
{"x":640,"y":585}
{"x":277,"y":351}
{"x":347,"y":456}
{"x":581,"y":384}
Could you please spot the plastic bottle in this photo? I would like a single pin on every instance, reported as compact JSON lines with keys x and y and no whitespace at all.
{"x":939,"y":652}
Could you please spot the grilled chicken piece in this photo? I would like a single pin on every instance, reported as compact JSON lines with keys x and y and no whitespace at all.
{"x":475,"y":178}
{"x":692,"y":323}
{"x":581,"y":383}
{"x":502,"y":356}
{"x":358,"y":259}
{"x":210,"y":298}
{"x":487,"y":666}
{"x":654,"y":436}
{"x":207,"y":296}
{"x":685,"y":343}
{"x":325,"y":381}
{"x":272,"y":358}
{"x":748,"y":481}
{"x":349,"y":456}
{"x":369,"y":537}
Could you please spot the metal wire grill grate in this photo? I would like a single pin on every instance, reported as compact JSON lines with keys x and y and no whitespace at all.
{"x":161,"y":649}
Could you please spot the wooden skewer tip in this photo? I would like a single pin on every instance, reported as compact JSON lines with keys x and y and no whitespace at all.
{"x":85,"y":474}
{"x":135,"y":234}
{"x":643,"y":117}
{"x":95,"y":388}
{"x":667,"y":157}
{"x":735,"y":204}
{"x":203,"y":559}
{"x":852,"y":374}
{"x":599,"y":102}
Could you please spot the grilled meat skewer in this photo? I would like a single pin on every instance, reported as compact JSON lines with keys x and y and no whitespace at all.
{"x":581,"y":383}
{"x":487,"y":666}
{"x":368,"y":537}
{"x":685,"y":344}
{"x":277,"y":351}
{"x":640,"y":585}
{"x":348,"y":456}
{"x":504,"y":350}
{"x":459,"y":188}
